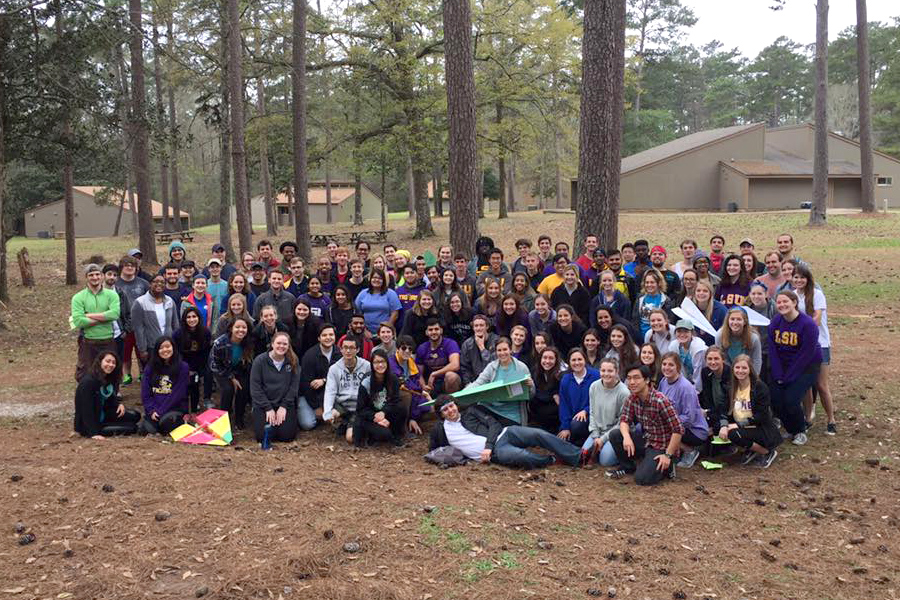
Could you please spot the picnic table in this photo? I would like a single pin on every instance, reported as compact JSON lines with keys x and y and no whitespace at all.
{"x":350,"y":237}
{"x":164,"y":237}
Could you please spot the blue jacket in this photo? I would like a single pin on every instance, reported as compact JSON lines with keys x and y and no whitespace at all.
{"x":573,"y":397}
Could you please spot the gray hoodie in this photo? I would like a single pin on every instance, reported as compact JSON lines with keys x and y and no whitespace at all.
{"x":145,"y":324}
{"x":606,"y":408}
{"x":342,"y":386}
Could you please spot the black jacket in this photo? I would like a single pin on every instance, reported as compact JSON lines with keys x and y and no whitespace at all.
{"x":90,"y":409}
{"x":713,"y":410}
{"x":262,"y":339}
{"x":566,"y":341}
{"x":476,"y":419}
{"x":761,"y":405}
{"x":340,"y":318}
{"x":365,"y":407}
{"x":315,"y":366}
{"x":305,"y":336}
{"x":414,"y":327}
{"x":580,"y":300}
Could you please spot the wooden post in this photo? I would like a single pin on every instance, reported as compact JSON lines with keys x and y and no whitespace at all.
{"x":25,"y":268}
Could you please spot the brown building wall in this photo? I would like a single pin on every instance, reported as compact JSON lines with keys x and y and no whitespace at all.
{"x":793,"y":140}
{"x":733,"y":187}
{"x":91,"y":219}
{"x":779,"y":193}
{"x":689,"y":181}
{"x":845,"y":193}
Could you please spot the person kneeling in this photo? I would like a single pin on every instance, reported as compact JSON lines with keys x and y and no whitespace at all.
{"x":380,"y":414}
{"x":342,"y":384}
{"x":164,"y":388}
{"x":98,"y":412}
{"x":481,"y":435}
{"x":661,"y":437}
{"x":274,"y":384}
{"x":749,"y":423}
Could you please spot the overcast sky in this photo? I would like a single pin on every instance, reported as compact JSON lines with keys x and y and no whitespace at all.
{"x":751,"y":26}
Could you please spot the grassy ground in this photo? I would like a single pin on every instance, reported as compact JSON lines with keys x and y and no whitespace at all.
{"x":821,"y":523}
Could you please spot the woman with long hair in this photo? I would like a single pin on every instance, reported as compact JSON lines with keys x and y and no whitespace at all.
{"x":230,"y":359}
{"x":237,"y":284}
{"x":543,"y":408}
{"x":341,"y":310}
{"x":737,"y":337}
{"x":795,"y":358}
{"x":683,"y":395}
{"x":164,"y":387}
{"x":456,"y":317}
{"x":274,"y":386}
{"x":735,"y":284}
{"x":303,"y":327}
{"x":378,"y":303}
{"x":574,"y":401}
{"x":380,"y":414}
{"x":234,"y":308}
{"x":650,"y":356}
{"x":593,"y":352}
{"x":521,"y":289}
{"x":752,"y":267}
{"x":316,"y":298}
{"x":787,"y":271}
{"x":622,"y":348}
{"x":653,"y":295}
{"x":194,"y":341}
{"x":247,"y":260}
{"x":689,"y":279}
{"x":415,"y":319}
{"x":748,"y":422}
{"x":380,"y":264}
{"x":812,"y":302}
{"x":521,"y":345}
{"x":608,"y":295}
{"x":98,"y":412}
{"x":567,"y":331}
{"x":488,"y":304}
{"x":264,"y":332}
{"x":712,"y":309}
{"x":511,"y":314}
{"x":716,"y":378}
{"x":572,"y":292}
{"x":759,"y":301}
{"x":542,"y":341}
{"x":447,"y":285}
{"x":412,"y":382}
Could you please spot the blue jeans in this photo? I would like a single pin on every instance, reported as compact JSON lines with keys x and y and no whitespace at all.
{"x":607,"y":456}
{"x":512,"y":446}
{"x":787,"y":400}
{"x":306,"y":416}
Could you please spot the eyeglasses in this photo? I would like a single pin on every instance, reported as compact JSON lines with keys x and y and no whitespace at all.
{"x":404,"y":347}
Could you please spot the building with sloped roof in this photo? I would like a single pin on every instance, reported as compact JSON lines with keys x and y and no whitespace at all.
{"x":342,"y":204}
{"x":748,"y":167}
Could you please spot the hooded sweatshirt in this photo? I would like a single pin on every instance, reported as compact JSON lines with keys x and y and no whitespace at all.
{"x":342,"y":386}
{"x":145,"y":320}
{"x":272,"y":388}
{"x":480,"y":262}
{"x":161,"y":393}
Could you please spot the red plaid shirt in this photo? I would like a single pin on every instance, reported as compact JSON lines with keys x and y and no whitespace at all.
{"x":656,"y":416}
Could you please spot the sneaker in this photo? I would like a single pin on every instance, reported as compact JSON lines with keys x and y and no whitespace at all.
{"x":766,"y":460}
{"x":688,"y":458}
{"x":831,"y":429}
{"x":585,"y":458}
{"x":208,"y":404}
{"x":777,"y":422}
{"x":617,"y":473}
{"x":671,"y":473}
{"x":800,"y":439}
{"x":126,"y":380}
{"x":749,"y":457}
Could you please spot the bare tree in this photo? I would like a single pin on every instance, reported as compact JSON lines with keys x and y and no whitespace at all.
{"x":225,"y":146}
{"x":173,"y":124}
{"x":867,"y":168}
{"x":67,"y":139}
{"x":298,"y":118}
{"x":139,"y":152}
{"x":126,"y":138}
{"x":238,"y":155}
{"x":501,"y":163}
{"x":329,"y":218}
{"x":160,"y":124}
{"x":600,"y":136}
{"x":817,"y":215}
{"x":463,"y":171}
{"x":264,"y":175}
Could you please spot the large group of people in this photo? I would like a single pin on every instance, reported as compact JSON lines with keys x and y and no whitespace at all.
{"x":375,"y":345}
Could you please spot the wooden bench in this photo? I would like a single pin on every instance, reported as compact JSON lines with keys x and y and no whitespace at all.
{"x":350,"y":238}
{"x":164,"y":237}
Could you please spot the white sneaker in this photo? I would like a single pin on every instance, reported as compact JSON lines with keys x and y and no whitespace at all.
{"x":800,"y":439}
{"x":688,"y":459}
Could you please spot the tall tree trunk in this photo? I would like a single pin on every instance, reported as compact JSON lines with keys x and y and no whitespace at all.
{"x":423,"y":214}
{"x":173,"y":124}
{"x":867,"y":168}
{"x":264,"y":175}
{"x":160,"y":134}
{"x":125,"y":114}
{"x":817,"y":215}
{"x":67,"y":140}
{"x":463,"y":171}
{"x":225,"y":187}
{"x":121,"y":209}
{"x":511,"y":185}
{"x":600,"y":135}
{"x":4,"y":235}
{"x":438,"y":191}
{"x":501,"y":164}
{"x":357,"y":195}
{"x":383,"y":190}
{"x":139,"y":151}
{"x":410,"y":189}
{"x":329,"y":217}
{"x":298,"y":92}
{"x":558,"y":169}
{"x":238,"y":155}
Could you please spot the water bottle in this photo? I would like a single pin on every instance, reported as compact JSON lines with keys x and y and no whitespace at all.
{"x":266,"y":443}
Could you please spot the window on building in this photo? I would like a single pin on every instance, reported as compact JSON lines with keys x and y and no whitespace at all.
{"x":884,"y":181}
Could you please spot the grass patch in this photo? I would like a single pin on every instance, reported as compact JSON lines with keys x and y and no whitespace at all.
{"x":457,"y":542}
{"x":434,"y":535}
{"x":475,"y":570}
{"x":853,"y":294}
{"x":430,"y":531}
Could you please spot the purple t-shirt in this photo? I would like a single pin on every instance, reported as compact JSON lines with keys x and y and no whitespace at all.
{"x":434,"y":359}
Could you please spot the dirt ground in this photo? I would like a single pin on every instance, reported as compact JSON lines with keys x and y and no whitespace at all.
{"x":147,"y":518}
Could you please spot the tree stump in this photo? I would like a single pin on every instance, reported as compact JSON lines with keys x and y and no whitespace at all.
{"x":25,"y":268}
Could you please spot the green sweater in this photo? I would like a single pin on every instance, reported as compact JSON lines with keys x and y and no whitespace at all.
{"x":105,"y":301}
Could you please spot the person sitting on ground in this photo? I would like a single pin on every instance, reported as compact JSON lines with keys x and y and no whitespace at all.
{"x":380,"y":414}
{"x":658,"y":439}
{"x":412,"y":385}
{"x":737,"y":337}
{"x":606,"y":398}
{"x":543,"y":408}
{"x":438,"y":359}
{"x":683,"y":396}
{"x":505,"y":368}
{"x":313,"y":376}
{"x":230,"y":359}
{"x":98,"y":412}
{"x":274,"y":384}
{"x":568,"y":329}
{"x":342,"y":388}
{"x":690,"y":349}
{"x":358,"y":332}
{"x":194,"y":341}
{"x":574,"y":400}
{"x":264,"y":332}
{"x":483,"y":436}
{"x":715,"y":386}
{"x":477,"y":351}
{"x":164,"y":388}
{"x":748,"y":424}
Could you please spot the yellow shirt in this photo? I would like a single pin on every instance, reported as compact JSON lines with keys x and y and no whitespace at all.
{"x":550,"y":283}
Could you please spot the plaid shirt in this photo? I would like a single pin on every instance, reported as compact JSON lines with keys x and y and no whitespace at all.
{"x":656,"y":416}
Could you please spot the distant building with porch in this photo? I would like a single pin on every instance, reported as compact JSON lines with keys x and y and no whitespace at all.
{"x":342,"y":204}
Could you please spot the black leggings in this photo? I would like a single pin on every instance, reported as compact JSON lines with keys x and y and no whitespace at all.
{"x":370,"y":431}
{"x":689,"y":439}
{"x":124,"y":425}
{"x":165,"y":424}
{"x":286,"y":432}
{"x":744,"y":437}
{"x":233,"y":400}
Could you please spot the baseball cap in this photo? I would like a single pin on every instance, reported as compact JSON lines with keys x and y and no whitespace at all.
{"x":92,"y":267}
{"x":218,"y":248}
{"x":659,"y":249}
{"x":135,"y":252}
{"x":258,"y":265}
{"x":214,"y":261}
{"x":684,"y":324}
{"x":746,"y":242}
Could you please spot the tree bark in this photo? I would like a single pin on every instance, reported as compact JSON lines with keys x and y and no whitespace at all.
{"x":357,"y":196}
{"x":139,"y":151}
{"x":126,"y":135}
{"x":329,"y":218}
{"x":423,"y":214}
{"x":559,"y":188}
{"x":410,"y":190}
{"x":4,"y":279}
{"x":438,"y":190}
{"x":866,"y":161}
{"x":298,"y":93}
{"x":264,"y":175}
{"x":225,"y":151}
{"x":511,"y":185}
{"x":160,"y":125}
{"x":25,"y":269}
{"x":68,"y":168}
{"x":501,"y":164}
{"x":600,"y":135}
{"x":173,"y":126}
{"x":817,"y":216}
{"x":238,"y":155}
{"x":463,"y":172}
{"x":121,"y":210}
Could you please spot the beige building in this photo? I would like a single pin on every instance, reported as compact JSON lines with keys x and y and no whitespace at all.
{"x":748,"y":167}
{"x":95,"y":216}
{"x":342,"y":204}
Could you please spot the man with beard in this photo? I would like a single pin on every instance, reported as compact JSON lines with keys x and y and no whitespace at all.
{"x":94,"y":310}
